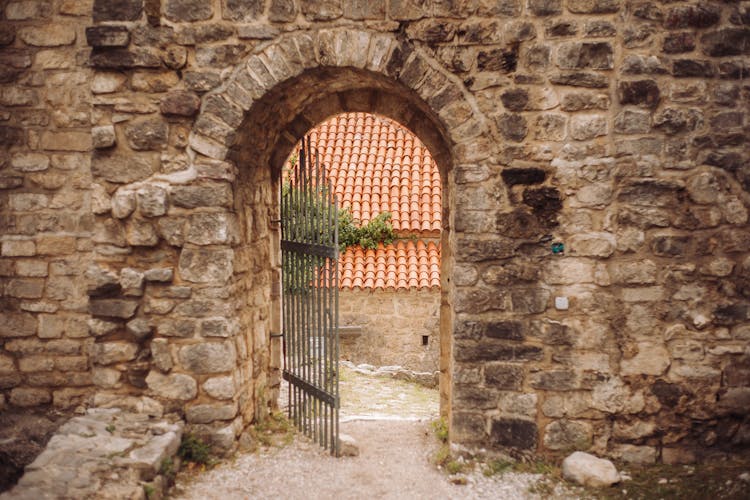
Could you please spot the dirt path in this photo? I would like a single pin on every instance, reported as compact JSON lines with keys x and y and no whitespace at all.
{"x":389,"y":419}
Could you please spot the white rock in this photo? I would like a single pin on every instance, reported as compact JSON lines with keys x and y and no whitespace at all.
{"x":348,"y":446}
{"x":589,"y":470}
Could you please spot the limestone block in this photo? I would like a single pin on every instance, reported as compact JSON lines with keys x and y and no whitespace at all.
{"x":107,"y":82}
{"x":633,"y":430}
{"x":587,"y":126}
{"x":635,"y":454}
{"x":113,"y":308}
{"x":131,"y":282}
{"x":124,"y":10}
{"x":180,"y":103}
{"x":107,"y":353}
{"x":29,"y":397}
{"x":51,"y":326}
{"x":175,"y":386}
{"x":514,"y":433}
{"x":596,"y":244}
{"x":200,"y":265}
{"x":147,"y":134}
{"x":220,"y":387}
{"x":152,"y":200}
{"x":36,"y":364}
{"x":212,"y":229}
{"x":107,"y":36}
{"x":567,"y":434}
{"x":99,"y":327}
{"x":17,"y":325}
{"x":569,"y":271}
{"x":643,"y":272}
{"x":159,"y":275}
{"x":207,"y":413}
{"x":175,"y":57}
{"x":28,"y":202}
{"x":66,"y":141}
{"x":209,"y":357}
{"x":140,"y":328}
{"x":48,"y":35}
{"x":100,"y":200}
{"x":18,"y":248}
{"x":160,"y":355}
{"x":518,"y":404}
{"x":103,"y":137}
{"x":589,"y":470}
{"x":100,"y":281}
{"x":141,"y":233}
{"x":25,"y":288}
{"x":651,"y":359}
{"x":30,"y":162}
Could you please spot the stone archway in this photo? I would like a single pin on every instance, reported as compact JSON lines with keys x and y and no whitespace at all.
{"x":249,"y":127}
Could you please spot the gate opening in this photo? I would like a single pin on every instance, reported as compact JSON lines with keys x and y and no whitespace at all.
{"x":387,"y":188}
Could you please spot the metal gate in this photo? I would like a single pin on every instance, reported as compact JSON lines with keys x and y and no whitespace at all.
{"x":309,"y":253}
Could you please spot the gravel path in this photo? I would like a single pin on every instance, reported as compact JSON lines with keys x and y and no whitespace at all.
{"x":389,"y":419}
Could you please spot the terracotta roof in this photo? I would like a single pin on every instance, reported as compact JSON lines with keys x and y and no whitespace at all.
{"x":401,"y":265}
{"x":377,"y":165}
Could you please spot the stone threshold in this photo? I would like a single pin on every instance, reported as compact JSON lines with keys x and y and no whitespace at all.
{"x":106,"y":453}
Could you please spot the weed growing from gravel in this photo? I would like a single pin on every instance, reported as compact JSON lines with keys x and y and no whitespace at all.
{"x":274,"y":429}
{"x":440,"y":428}
{"x":193,"y":449}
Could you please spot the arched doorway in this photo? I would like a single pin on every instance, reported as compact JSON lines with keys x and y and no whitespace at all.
{"x":253,"y":122}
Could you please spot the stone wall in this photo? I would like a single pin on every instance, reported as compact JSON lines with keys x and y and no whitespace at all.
{"x":144,"y":140}
{"x":393,"y":324}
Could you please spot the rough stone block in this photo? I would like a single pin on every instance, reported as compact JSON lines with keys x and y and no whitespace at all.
{"x":207,"y":413}
{"x":180,"y":103}
{"x":514,"y":433}
{"x":66,"y":141}
{"x":152,"y":200}
{"x":568,"y":434}
{"x":103,"y":136}
{"x":18,"y":248}
{"x":49,"y":35}
{"x":640,"y":92}
{"x":220,"y":387}
{"x":504,"y":377}
{"x":692,"y":16}
{"x":108,"y":353}
{"x":174,"y":386}
{"x":206,"y":265}
{"x":17,"y":325}
{"x":27,"y":397}
{"x":125,"y":10}
{"x":113,"y":308}
{"x":107,"y":36}
{"x":209,"y":357}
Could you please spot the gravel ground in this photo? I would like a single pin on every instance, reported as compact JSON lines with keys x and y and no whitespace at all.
{"x":389,"y":419}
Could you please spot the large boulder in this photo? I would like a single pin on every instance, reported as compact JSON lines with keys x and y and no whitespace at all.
{"x":589,"y":470}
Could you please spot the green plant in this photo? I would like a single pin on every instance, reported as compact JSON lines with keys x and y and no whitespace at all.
{"x":110,"y":428}
{"x":368,"y":236}
{"x":440,"y":428}
{"x":496,"y":467}
{"x":442,"y":456}
{"x":455,"y":466}
{"x":149,"y":491}
{"x":167,"y":468}
{"x":300,"y":205}
{"x":193,"y":449}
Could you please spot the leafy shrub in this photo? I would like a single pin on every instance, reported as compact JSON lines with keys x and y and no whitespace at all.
{"x":193,"y":449}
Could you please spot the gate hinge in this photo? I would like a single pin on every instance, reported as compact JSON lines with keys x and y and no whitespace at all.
{"x":276,"y":335}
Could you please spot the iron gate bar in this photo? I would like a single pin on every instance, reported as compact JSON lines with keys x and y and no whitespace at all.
{"x":310,"y":299}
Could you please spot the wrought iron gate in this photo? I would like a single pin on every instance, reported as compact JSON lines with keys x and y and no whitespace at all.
{"x":309,"y":253}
